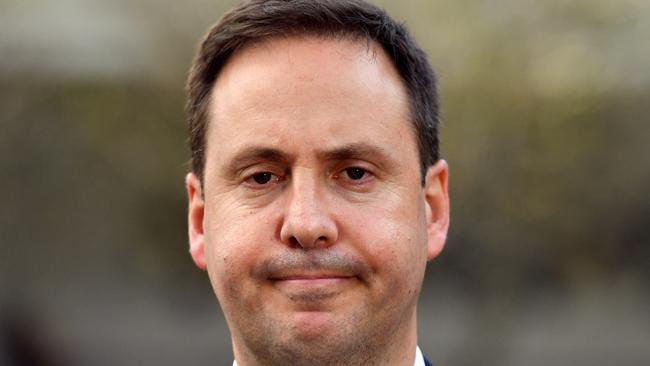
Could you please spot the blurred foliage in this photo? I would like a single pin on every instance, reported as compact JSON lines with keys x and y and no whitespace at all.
{"x":545,"y":128}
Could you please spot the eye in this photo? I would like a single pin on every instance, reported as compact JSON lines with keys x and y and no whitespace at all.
{"x":355,"y":177}
{"x":262,"y":178}
{"x":355,"y":173}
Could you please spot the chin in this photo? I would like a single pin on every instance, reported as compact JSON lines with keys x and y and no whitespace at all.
{"x":314,"y":325}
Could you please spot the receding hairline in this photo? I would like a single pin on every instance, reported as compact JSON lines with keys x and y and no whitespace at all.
{"x":257,"y":21}
{"x":366,"y":46}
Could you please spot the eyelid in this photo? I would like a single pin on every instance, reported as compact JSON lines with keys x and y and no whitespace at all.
{"x":356,"y":163}
{"x":246,"y":175}
{"x":249,"y":182}
{"x":368,"y":177}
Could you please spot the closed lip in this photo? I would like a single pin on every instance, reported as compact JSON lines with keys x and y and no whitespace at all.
{"x":310,"y":277}
{"x":313,"y":284}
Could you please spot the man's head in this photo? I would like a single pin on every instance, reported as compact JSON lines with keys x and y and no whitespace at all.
{"x":308,"y":205}
{"x":258,"y":21}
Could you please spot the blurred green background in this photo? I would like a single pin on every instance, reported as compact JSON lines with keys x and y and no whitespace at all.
{"x":545,"y":127}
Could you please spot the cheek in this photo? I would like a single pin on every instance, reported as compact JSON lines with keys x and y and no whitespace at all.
{"x":392,"y":237}
{"x":233,"y":241}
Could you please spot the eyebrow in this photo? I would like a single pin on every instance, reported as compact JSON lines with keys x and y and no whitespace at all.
{"x":375,"y":154}
{"x":254,"y":154}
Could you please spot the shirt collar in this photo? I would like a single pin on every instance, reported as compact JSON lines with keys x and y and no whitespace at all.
{"x":419,"y":359}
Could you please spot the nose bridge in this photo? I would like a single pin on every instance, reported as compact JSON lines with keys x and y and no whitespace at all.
{"x":304,"y":199}
{"x":307,"y":220}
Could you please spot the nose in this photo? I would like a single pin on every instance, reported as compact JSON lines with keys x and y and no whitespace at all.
{"x":307,"y":221}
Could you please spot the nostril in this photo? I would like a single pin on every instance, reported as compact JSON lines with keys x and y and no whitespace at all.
{"x":294,"y":242}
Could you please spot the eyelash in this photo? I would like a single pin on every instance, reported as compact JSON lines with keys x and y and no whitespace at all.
{"x":273,"y":178}
{"x":254,"y":183}
{"x":345,"y":174}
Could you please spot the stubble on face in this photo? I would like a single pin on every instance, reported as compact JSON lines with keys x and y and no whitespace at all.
{"x":363,"y":317}
{"x":360,"y":335}
{"x":360,"y":338}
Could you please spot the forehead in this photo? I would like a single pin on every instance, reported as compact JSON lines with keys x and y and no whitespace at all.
{"x":344,"y":61}
{"x":318,"y":90}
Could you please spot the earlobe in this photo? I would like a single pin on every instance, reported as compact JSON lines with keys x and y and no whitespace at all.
{"x":195,"y":215}
{"x":436,"y":198}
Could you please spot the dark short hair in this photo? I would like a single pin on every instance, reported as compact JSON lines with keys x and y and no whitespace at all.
{"x":256,"y":21}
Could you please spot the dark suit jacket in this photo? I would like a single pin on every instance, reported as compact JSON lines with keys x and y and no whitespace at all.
{"x":426,"y":362}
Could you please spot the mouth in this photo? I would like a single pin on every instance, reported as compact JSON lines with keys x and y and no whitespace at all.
{"x":310,"y":288}
{"x":311,"y":279}
{"x":309,"y":276}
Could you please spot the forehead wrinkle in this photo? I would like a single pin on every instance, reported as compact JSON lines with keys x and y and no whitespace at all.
{"x":360,"y":150}
{"x":285,"y":105}
{"x":252,"y":154}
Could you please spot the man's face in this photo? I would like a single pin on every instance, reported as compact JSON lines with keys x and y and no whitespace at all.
{"x":314,"y":226}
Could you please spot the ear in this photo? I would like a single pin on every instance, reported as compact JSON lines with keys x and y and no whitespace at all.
{"x":436,"y":199}
{"x":195,"y":219}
